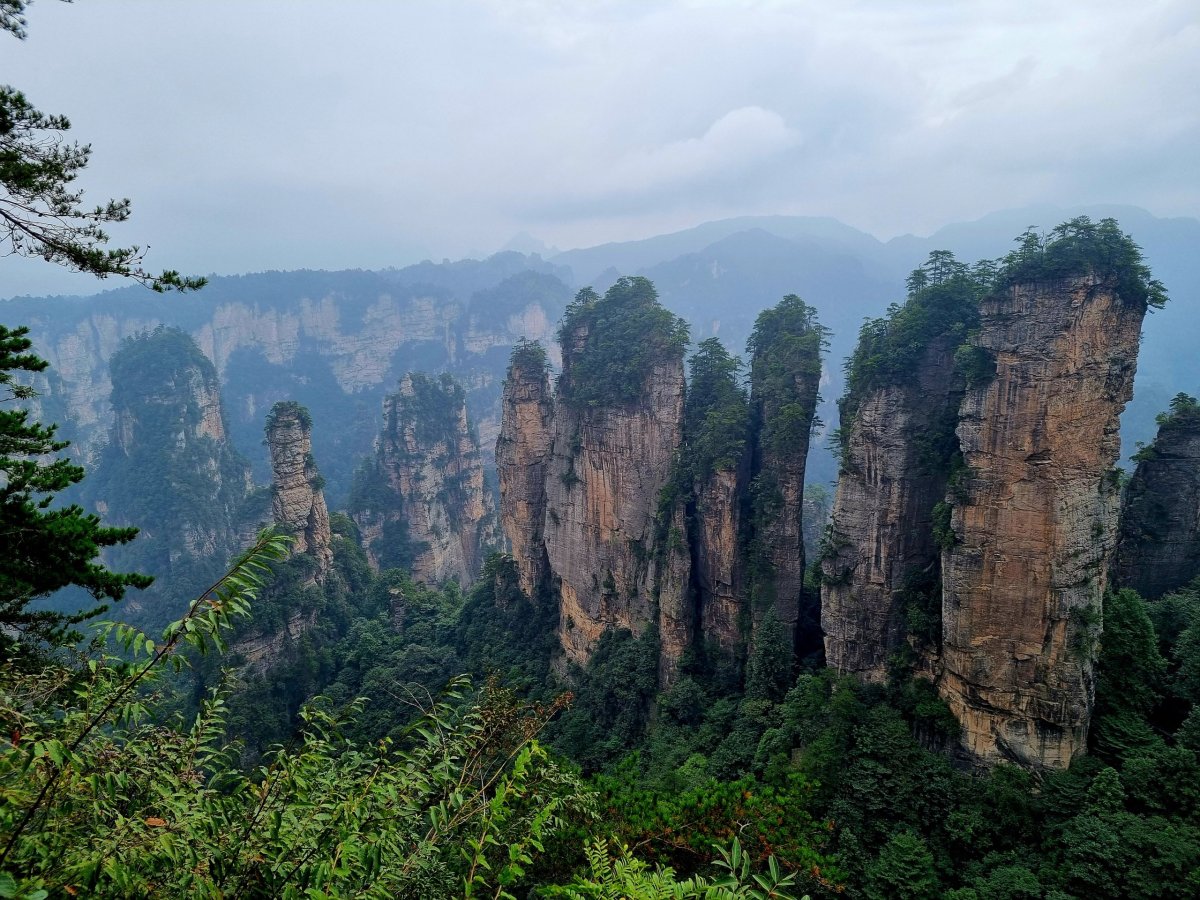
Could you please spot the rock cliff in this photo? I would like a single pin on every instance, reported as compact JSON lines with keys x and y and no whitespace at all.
{"x":522,"y":454}
{"x":881,"y":552}
{"x":421,"y":502}
{"x":785,"y":374}
{"x":881,"y":572}
{"x":1034,"y":516}
{"x":297,"y":499}
{"x":170,"y":469}
{"x":332,"y":340}
{"x":617,"y":424}
{"x":1159,"y":546}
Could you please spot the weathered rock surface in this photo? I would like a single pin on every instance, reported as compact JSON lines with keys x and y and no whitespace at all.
{"x":881,"y":538}
{"x":297,"y":501}
{"x":421,"y":503}
{"x":718,"y":559}
{"x":522,"y":454}
{"x":1035,"y":521}
{"x":607,"y":467}
{"x":1159,"y":546}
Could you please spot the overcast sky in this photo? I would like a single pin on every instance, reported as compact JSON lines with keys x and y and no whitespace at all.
{"x":269,"y":135}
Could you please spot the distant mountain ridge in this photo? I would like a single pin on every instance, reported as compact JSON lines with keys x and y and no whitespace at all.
{"x":717,"y":275}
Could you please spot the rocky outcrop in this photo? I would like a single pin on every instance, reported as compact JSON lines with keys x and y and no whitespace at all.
{"x":1159,"y":547}
{"x":421,"y":503}
{"x":297,"y":500}
{"x":785,"y":374}
{"x":170,"y":469}
{"x":607,"y":466}
{"x":522,"y":454}
{"x":881,"y":553}
{"x":332,"y":340}
{"x":1034,"y":517}
{"x":617,"y":424}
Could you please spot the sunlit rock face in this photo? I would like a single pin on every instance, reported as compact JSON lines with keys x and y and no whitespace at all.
{"x":1034,"y":518}
{"x":606,"y":470}
{"x":522,"y":455}
{"x":1159,"y":547}
{"x":421,"y":503}
{"x":297,"y":501}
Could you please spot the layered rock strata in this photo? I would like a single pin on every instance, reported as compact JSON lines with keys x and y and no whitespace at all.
{"x":881,"y":550}
{"x":297,"y":500}
{"x":1034,"y":519}
{"x":522,"y":454}
{"x":421,"y":503}
{"x":1159,"y":546}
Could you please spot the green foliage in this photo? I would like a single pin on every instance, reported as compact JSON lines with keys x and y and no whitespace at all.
{"x":785,"y":348}
{"x":613,"y":700}
{"x":1130,"y":677}
{"x":942,"y":305}
{"x":46,"y":547}
{"x":1079,"y":247}
{"x":903,"y":871}
{"x":716,"y":414}
{"x":290,"y":409}
{"x":1184,"y":412}
{"x":99,"y":801}
{"x":528,"y":355}
{"x":625,"y":877}
{"x":612,"y":344}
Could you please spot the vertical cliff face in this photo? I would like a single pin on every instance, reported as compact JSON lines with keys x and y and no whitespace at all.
{"x":881,"y":547}
{"x":170,"y":468}
{"x":421,"y":503}
{"x":522,"y":455}
{"x":617,"y":423}
{"x":785,"y":374}
{"x":881,"y":573}
{"x":1034,"y":517}
{"x":1159,"y":546}
{"x":297,"y":500}
{"x":720,"y":573}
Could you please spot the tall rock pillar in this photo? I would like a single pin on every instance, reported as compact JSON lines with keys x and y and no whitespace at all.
{"x":1159,"y":548}
{"x":617,"y":424}
{"x":421,"y":503}
{"x":522,"y":452}
{"x":785,"y":374}
{"x":297,"y":498}
{"x":1034,"y":517}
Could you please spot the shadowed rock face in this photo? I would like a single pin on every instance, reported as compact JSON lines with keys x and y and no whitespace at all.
{"x":424,"y":489}
{"x":1035,"y":518}
{"x":297,"y":502}
{"x":1159,"y":547}
{"x":719,"y":577}
{"x":522,"y":454}
{"x":881,"y":540}
{"x":785,"y":375}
